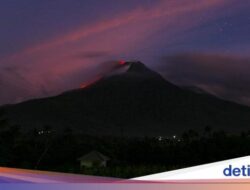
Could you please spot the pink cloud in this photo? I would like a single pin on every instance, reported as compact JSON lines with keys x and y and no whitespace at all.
{"x":51,"y":66}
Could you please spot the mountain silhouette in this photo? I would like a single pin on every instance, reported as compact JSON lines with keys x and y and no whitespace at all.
{"x":137,"y":102}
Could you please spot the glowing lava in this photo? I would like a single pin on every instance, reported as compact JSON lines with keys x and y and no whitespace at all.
{"x":122,"y":62}
{"x":106,"y":71}
{"x":90,"y":82}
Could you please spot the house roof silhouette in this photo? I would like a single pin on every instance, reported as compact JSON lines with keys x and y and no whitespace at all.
{"x":94,"y":156}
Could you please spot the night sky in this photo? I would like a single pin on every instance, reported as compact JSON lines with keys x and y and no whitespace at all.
{"x":50,"y":46}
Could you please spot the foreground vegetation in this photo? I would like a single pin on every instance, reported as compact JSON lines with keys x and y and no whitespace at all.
{"x":46,"y":150}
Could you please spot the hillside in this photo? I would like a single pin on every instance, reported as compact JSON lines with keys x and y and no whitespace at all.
{"x":137,"y":102}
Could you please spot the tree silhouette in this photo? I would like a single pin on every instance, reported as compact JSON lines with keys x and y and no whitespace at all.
{"x":208,"y":131}
{"x":46,"y":135}
{"x":3,"y":121}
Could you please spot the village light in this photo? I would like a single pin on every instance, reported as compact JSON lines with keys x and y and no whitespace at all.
{"x":160,"y":138}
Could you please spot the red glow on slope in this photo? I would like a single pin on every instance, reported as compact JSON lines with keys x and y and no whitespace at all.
{"x":122,"y":62}
{"x":89,"y":83}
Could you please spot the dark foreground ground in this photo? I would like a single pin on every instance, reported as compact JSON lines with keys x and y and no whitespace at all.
{"x":129,"y":157}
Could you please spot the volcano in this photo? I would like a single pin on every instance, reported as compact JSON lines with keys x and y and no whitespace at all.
{"x":136,"y":102}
